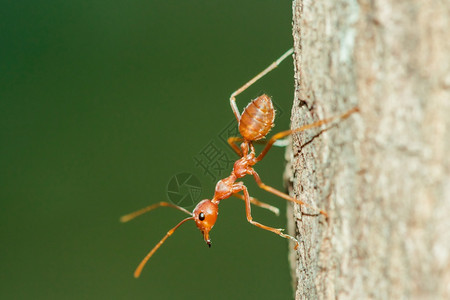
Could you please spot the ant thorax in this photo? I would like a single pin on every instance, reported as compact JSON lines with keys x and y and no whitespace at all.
{"x":243,"y":166}
{"x":224,"y":188}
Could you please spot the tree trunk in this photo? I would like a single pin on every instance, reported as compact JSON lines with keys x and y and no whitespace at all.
{"x":382,"y":175}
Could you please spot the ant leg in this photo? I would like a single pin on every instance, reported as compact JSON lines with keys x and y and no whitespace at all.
{"x":232,"y":142}
{"x":283,"y":195}
{"x":248,"y":211}
{"x":137,"y":213}
{"x":283,"y":134}
{"x":253,"y":80}
{"x":256,"y":202}
{"x":237,"y":139}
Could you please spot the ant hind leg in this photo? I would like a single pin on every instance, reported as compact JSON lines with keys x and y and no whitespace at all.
{"x":285,"y":133}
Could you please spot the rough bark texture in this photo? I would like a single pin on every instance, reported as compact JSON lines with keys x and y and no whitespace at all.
{"x":383,"y":175}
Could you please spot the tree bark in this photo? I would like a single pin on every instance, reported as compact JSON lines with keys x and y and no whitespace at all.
{"x":382,"y":175}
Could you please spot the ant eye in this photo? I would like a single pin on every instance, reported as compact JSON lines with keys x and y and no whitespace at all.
{"x":201,"y":216}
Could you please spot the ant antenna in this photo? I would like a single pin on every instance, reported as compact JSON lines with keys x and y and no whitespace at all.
{"x":137,"y":213}
{"x":138,"y":271}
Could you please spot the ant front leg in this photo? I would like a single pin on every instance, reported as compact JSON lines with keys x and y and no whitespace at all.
{"x":248,"y":210}
{"x":281,"y":194}
{"x":253,"y":80}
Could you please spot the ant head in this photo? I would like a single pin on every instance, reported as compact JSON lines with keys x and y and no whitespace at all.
{"x":205,"y":216}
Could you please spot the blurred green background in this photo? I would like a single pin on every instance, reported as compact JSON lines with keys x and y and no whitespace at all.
{"x":101,"y":103}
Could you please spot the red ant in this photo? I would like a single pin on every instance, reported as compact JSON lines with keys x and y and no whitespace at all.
{"x":254,"y":124}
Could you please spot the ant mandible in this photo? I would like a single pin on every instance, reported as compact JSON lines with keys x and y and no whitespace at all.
{"x":255,"y":123}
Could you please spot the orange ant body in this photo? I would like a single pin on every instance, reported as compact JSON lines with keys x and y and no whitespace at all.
{"x":254,"y":124}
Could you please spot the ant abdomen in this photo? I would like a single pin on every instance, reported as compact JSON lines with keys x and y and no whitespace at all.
{"x":257,"y":119}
